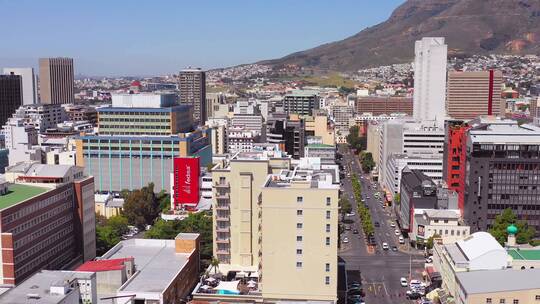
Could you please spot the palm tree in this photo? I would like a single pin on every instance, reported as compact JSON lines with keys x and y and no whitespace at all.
{"x":214,"y":263}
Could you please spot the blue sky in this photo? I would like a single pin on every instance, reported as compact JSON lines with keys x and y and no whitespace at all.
{"x":118,"y":37}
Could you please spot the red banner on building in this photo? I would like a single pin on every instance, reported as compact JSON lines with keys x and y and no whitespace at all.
{"x":186,"y":182}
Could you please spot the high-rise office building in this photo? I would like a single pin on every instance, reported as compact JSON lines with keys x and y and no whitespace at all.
{"x":193,"y":92}
{"x":301,"y":102}
{"x":378,"y":105}
{"x":10,"y":96}
{"x":56,"y":80}
{"x":287,"y":132}
{"x":430,"y":79}
{"x":29,"y":83}
{"x":472,"y":94}
{"x":501,"y":171}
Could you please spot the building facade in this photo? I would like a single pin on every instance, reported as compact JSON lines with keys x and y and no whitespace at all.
{"x":29,"y":83}
{"x":192,"y":86}
{"x":379,"y":105}
{"x":473,"y":94}
{"x":48,"y":220}
{"x":56,"y":80}
{"x":11,"y":96}
{"x":430,"y":60}
{"x":301,"y":102}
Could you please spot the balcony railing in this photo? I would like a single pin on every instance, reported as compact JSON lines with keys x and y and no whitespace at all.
{"x":222,"y":207}
{"x":222,"y":218}
{"x":222,"y":184}
{"x":222,"y":229}
{"x":223,"y":241}
{"x":222,"y":195}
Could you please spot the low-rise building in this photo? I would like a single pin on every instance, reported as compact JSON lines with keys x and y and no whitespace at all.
{"x":325,"y":152}
{"x":149,"y":270}
{"x":524,"y":258}
{"x":498,"y":286}
{"x":54,"y":287}
{"x":477,"y":252}
{"x":107,"y":205}
{"x":444,"y":223}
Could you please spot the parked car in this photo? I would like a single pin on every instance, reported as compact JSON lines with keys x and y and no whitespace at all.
{"x":345,"y":240}
{"x":347,"y":227}
{"x":377,"y":224}
{"x":355,"y":231}
{"x":392,"y":225}
{"x":397,"y":232}
{"x":403,"y":282}
{"x":411,"y":295}
{"x":401,"y":240}
{"x":385,"y":246}
{"x":394,"y":248}
{"x":429,"y":259}
{"x":355,"y":284}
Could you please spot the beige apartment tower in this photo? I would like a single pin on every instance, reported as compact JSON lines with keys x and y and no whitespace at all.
{"x":279,"y":222}
{"x":471,"y":94}
{"x":56,"y":80}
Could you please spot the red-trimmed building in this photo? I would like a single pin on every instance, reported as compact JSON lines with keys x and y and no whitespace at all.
{"x":455,"y":154}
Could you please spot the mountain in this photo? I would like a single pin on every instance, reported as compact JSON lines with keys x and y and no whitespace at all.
{"x":469,"y":26}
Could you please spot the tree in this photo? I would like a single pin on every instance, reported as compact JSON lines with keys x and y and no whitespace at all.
{"x":345,"y":205}
{"x":193,"y":223}
{"x":366,"y":158}
{"x":109,"y":231}
{"x":430,"y":241}
{"x":397,"y":199}
{"x":354,"y":139}
{"x":506,"y":218}
{"x":164,"y":200}
{"x":141,"y":207}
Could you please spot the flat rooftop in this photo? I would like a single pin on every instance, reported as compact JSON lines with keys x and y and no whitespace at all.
{"x":39,"y":285}
{"x":488,"y":281}
{"x":156,"y":261}
{"x":532,"y":254}
{"x":18,"y":193}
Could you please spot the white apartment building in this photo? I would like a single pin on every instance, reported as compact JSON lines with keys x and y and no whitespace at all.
{"x":219,"y":135}
{"x":419,"y":143}
{"x":430,"y":165}
{"x":342,"y":114}
{"x":430,"y":79}
{"x":240,"y":140}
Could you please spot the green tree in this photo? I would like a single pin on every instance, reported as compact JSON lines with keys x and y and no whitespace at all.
{"x":397,"y":199}
{"x":118,"y":224}
{"x":194,"y":223}
{"x":345,"y":205}
{"x":430,"y":241}
{"x":506,"y":218}
{"x":366,"y":158}
{"x":354,"y":139}
{"x":164,"y":200}
{"x":141,"y":207}
{"x":109,"y":231}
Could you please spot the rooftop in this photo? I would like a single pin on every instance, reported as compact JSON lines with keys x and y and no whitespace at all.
{"x":320,"y":146}
{"x":528,"y":254}
{"x":441,"y":214}
{"x":156,"y":261}
{"x":104,"y":265}
{"x":475,"y":282}
{"x":477,"y":244}
{"x":18,"y":193}
{"x":303,"y":93}
{"x":39,"y":287}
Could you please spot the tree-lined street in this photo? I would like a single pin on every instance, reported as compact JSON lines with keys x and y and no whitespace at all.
{"x":380,"y":269}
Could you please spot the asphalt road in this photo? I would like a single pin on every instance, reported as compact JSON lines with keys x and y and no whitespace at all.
{"x":381,"y":269}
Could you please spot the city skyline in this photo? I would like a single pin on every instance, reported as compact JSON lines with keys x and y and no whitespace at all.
{"x":119,"y":39}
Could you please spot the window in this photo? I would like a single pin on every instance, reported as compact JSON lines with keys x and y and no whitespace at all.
{"x":488,"y":300}
{"x":299,"y":212}
{"x":516,"y":301}
{"x":299,"y":199}
{"x":299,"y":225}
{"x":327,"y":227}
{"x":446,"y":221}
{"x":327,"y":280}
{"x":298,"y":251}
{"x":298,"y":238}
{"x":328,"y":201}
{"x":327,"y":267}
{"x":502,"y":301}
{"x":327,"y":241}
{"x":537,"y":297}
{"x":298,"y":264}
{"x":328,"y":214}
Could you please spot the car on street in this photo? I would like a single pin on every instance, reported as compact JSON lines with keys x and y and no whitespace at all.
{"x":377,"y":224}
{"x":347,"y":227}
{"x":352,"y":213}
{"x":355,"y":231}
{"x":401,"y":240}
{"x":385,"y":246}
{"x":356,"y":292}
{"x":397,"y":232}
{"x":392,"y":225}
{"x":345,"y":240}
{"x":403,"y":282}
{"x":429,"y":259}
{"x":354,"y":284}
{"x":411,"y":295}
{"x":356,"y":299}
{"x":394,"y":248}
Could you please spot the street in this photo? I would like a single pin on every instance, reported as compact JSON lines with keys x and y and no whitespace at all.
{"x":380,"y":269}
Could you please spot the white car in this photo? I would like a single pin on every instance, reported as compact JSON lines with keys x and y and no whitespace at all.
{"x":403,"y":282}
{"x":385,"y":246}
{"x":397,"y":232}
{"x":392,"y":225}
{"x":401,"y":240}
{"x":352,"y":213}
{"x":345,"y":240}
{"x":429,"y":259}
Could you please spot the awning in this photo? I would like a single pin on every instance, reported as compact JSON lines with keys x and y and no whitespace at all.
{"x":228,"y":286}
